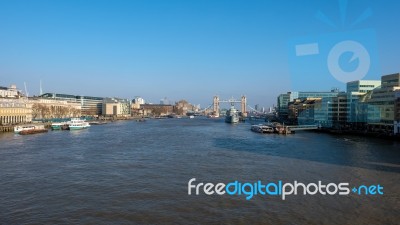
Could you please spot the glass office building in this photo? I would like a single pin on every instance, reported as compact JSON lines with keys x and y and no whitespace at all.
{"x":331,"y":111}
{"x":356,"y":110}
{"x":381,"y":101}
{"x":284,"y":99}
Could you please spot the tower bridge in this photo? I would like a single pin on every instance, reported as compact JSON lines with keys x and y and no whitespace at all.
{"x":215,"y":106}
{"x":232,"y":101}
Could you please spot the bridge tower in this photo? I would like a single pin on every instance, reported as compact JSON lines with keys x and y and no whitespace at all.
{"x":216,"y":106}
{"x":243,"y":106}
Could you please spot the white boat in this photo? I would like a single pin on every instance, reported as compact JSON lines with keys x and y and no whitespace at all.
{"x":18,"y":129}
{"x":29,"y":129}
{"x":191,"y":117}
{"x":77,"y":124}
{"x":261,"y":128}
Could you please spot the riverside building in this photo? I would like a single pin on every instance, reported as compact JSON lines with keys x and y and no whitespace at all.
{"x":116,"y":107}
{"x":15,"y":110}
{"x":45,"y":108}
{"x":9,"y":92}
{"x":14,"y":107}
{"x":368,"y":105}
{"x":284,"y":99}
{"x":90,"y":106}
{"x":396,"y":123}
{"x":301,"y":111}
{"x":331,"y":112}
{"x":356,"y":111}
{"x":381,"y":102}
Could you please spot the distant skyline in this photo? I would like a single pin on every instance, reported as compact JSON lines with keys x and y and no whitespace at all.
{"x":175,"y":49}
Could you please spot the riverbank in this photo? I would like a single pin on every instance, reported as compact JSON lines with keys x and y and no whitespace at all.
{"x":358,"y":133}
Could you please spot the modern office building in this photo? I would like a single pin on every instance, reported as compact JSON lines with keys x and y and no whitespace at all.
{"x":331,"y":112}
{"x":284,"y":99}
{"x":375,"y":110}
{"x":381,"y":104}
{"x":396,"y":124}
{"x":116,"y":107}
{"x":90,"y":106}
{"x":350,"y":108}
{"x":282,"y":104}
{"x":356,"y":89}
{"x":314,"y":94}
{"x":362,"y":86}
{"x":301,"y":111}
{"x":368,"y":105}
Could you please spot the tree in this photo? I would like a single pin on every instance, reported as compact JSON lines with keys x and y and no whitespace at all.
{"x":159,"y":110}
{"x":178,"y":111}
{"x":35,"y":111}
{"x":181,"y":107}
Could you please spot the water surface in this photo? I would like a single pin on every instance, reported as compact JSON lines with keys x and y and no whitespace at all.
{"x":137,"y":173}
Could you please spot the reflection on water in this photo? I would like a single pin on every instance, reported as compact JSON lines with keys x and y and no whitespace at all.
{"x":129,"y":172}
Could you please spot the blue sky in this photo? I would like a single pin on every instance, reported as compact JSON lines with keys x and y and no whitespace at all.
{"x":174,"y":49}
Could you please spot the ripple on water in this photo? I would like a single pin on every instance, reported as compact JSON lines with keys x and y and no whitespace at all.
{"x":129,"y":172}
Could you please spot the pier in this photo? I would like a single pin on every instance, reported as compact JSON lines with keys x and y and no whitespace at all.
{"x":302,"y":127}
{"x":6,"y":128}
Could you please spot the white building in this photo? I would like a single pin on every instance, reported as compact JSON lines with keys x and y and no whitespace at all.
{"x":137,"y":101}
{"x":10,"y":92}
{"x":362,"y":86}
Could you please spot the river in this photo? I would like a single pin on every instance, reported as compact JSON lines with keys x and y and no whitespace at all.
{"x":130,"y":172}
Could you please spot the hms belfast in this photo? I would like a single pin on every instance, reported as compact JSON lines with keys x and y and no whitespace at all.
{"x":232,"y":115}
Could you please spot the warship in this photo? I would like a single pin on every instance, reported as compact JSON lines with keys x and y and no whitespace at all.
{"x":232,"y":115}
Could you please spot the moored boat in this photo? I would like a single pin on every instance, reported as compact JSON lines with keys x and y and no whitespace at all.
{"x":261,"y":128}
{"x":34,"y":131}
{"x":232,"y":115}
{"x":59,"y":126}
{"x":29,"y":129}
{"x":18,"y":129}
{"x":78,"y":124}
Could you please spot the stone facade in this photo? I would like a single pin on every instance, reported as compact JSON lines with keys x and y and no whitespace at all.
{"x":15,"y":110}
{"x":44,"y":108}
